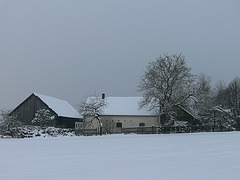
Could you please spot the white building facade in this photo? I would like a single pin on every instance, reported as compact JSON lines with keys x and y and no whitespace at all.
{"x":121,"y":112}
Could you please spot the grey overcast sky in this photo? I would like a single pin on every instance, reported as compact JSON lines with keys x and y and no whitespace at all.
{"x":73,"y":48}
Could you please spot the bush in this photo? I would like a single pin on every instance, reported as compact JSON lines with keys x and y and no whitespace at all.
{"x":43,"y":118}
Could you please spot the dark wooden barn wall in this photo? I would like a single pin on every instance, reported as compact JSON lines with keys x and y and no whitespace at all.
{"x":66,"y":122}
{"x":26,"y":111}
{"x":185,"y":116}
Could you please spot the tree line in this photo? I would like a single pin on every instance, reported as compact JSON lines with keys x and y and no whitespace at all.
{"x":168,"y":83}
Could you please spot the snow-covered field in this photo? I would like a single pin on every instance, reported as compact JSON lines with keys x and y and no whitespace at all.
{"x":117,"y":157}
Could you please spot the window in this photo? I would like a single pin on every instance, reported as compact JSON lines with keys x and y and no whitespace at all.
{"x":119,"y":124}
{"x":141,"y":124}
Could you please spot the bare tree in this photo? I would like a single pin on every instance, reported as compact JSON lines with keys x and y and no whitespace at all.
{"x":167,"y":82}
{"x":234,"y":96}
{"x":208,"y":104}
{"x":10,"y":121}
{"x":227,"y":103}
{"x":220,"y":93}
{"x":9,"y":124}
{"x":91,"y":109}
{"x":233,"y":99}
{"x":204,"y":98}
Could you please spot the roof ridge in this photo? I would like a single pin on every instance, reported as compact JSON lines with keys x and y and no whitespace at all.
{"x":38,"y":94}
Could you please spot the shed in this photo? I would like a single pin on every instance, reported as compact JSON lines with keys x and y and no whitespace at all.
{"x":185,"y":115}
{"x":65,"y":114}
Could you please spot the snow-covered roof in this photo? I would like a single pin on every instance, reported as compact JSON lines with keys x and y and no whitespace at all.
{"x":125,"y":106}
{"x":60,"y":107}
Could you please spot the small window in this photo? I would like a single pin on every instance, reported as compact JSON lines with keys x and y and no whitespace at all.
{"x":119,"y":124}
{"x":141,"y":124}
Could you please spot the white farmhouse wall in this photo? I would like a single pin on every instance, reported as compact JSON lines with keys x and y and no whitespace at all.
{"x":132,"y":121}
{"x":110,"y":122}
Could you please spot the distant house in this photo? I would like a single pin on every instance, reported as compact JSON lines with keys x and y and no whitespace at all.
{"x":65,"y":114}
{"x":124,"y":112}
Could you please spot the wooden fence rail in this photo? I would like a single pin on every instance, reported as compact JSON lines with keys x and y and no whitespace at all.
{"x":149,"y":130}
{"x":86,"y":132}
{"x":140,"y":130}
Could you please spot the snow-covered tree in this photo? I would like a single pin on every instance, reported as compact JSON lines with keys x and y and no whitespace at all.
{"x":9,"y":124}
{"x":43,"y":118}
{"x":91,"y":109}
{"x":9,"y":121}
{"x":220,"y":93}
{"x":204,"y":99}
{"x":167,"y":82}
{"x":93,"y":106}
{"x":233,"y":99}
{"x":222,"y":119}
{"x":225,"y":109}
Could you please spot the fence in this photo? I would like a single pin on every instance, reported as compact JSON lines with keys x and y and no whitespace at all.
{"x":184,"y":129}
{"x":149,"y":130}
{"x":164,"y":129}
{"x":140,"y":130}
{"x":86,"y":132}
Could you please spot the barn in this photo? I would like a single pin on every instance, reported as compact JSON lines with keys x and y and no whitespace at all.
{"x":65,"y":115}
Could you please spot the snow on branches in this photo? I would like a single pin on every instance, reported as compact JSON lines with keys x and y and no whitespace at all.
{"x":42,"y":118}
{"x":166,"y":82}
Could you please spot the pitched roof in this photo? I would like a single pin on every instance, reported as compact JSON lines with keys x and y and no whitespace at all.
{"x":125,"y":106}
{"x":60,"y":107}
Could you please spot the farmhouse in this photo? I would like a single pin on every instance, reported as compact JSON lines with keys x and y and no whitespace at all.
{"x":123,"y":112}
{"x":65,"y":115}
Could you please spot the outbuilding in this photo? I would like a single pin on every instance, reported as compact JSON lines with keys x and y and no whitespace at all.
{"x":64,"y":114}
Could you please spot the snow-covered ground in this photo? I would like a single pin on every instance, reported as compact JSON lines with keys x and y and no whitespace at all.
{"x":117,"y":157}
